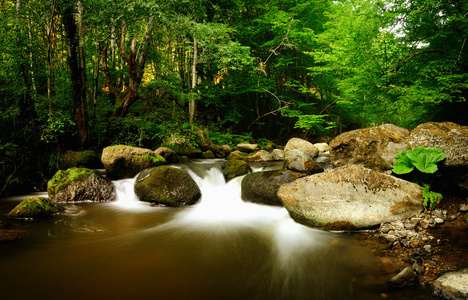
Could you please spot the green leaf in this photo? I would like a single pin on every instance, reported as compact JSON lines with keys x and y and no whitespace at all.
{"x":403,"y":165}
{"x":425,"y":159}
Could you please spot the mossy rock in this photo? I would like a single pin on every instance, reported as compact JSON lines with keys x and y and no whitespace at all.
{"x":126,"y":161}
{"x":234,"y":168}
{"x":34,"y":208}
{"x":88,"y":159}
{"x":237,"y":155}
{"x":168,"y":186}
{"x":79,"y":184}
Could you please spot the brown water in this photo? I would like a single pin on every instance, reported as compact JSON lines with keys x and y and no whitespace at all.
{"x":221,"y":248}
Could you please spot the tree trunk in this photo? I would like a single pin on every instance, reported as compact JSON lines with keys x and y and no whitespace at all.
{"x":78,"y":86}
{"x":192,"y":103}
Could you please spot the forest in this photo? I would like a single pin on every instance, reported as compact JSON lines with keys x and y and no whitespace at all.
{"x":86,"y":74}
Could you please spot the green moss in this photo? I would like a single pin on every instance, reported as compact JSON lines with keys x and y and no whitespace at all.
{"x":63,"y":177}
{"x":33,"y":207}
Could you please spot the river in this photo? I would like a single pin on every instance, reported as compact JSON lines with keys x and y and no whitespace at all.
{"x":220,"y":248}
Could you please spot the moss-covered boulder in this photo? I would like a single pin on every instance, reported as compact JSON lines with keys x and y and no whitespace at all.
{"x":80,"y":184}
{"x":168,"y":186}
{"x":262,"y":187}
{"x":34,"y":208}
{"x":373,"y":148}
{"x":234,"y":168}
{"x":87,"y":159}
{"x":126,"y":161}
{"x":247,"y":148}
{"x":237,"y":155}
{"x":168,"y":154}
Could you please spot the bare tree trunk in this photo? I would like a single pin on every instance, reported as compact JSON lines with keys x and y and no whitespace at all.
{"x":78,"y":86}
{"x":31,"y":64}
{"x":192,"y":103}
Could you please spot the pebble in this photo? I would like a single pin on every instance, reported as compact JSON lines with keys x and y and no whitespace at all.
{"x":427,"y":248}
{"x":439,"y":221}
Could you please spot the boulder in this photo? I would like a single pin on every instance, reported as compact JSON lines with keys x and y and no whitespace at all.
{"x":126,"y":161}
{"x":168,"y":186}
{"x":87,"y":159}
{"x":262,"y":187}
{"x":277,"y":154}
{"x":452,"y":285}
{"x":373,"y":148}
{"x":218,"y":150}
{"x":208,"y":154}
{"x":259,"y":156}
{"x":449,"y":137}
{"x":296,"y":160}
{"x":299,"y":144}
{"x":234,"y":168}
{"x":349,"y":198}
{"x":168,"y":154}
{"x":453,"y":140}
{"x":248,"y":148}
{"x":80,"y":184}
{"x":184,"y":145}
{"x":34,"y":208}
{"x":406,"y":278}
{"x":237,"y":155}
{"x":322,"y":147}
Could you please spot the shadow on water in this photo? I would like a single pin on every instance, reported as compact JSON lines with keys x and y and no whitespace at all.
{"x":220,"y":248}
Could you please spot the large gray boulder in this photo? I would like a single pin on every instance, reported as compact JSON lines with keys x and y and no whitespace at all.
{"x":296,"y":160}
{"x":373,"y":148}
{"x":126,"y":161}
{"x":299,"y":144}
{"x":262,"y":187}
{"x":452,"y":285}
{"x":349,"y":198}
{"x":453,"y":140}
{"x":168,"y":186}
{"x":449,"y":137}
{"x":78,"y":185}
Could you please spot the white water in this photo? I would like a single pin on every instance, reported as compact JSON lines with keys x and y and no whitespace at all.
{"x":221,"y":211}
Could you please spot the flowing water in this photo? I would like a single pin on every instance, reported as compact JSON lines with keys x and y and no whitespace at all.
{"x":220,"y":248}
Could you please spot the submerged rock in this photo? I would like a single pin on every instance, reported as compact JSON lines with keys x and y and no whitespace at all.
{"x":452,"y":285}
{"x":167,"y":185}
{"x":80,"y":184}
{"x":406,"y":278}
{"x":349,"y":198}
{"x":34,"y":208}
{"x":262,"y":187}
{"x":126,"y":162}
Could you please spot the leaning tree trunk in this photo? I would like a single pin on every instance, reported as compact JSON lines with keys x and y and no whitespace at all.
{"x":78,"y":86}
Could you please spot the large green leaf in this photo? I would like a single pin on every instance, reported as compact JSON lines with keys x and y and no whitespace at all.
{"x":403,"y":165}
{"x":425,"y":159}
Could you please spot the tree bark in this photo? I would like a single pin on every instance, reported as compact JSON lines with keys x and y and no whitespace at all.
{"x":78,"y":86}
{"x":192,"y":103}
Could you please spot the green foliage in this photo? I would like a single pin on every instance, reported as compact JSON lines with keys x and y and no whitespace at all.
{"x":430,"y":197}
{"x":423,"y":158}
